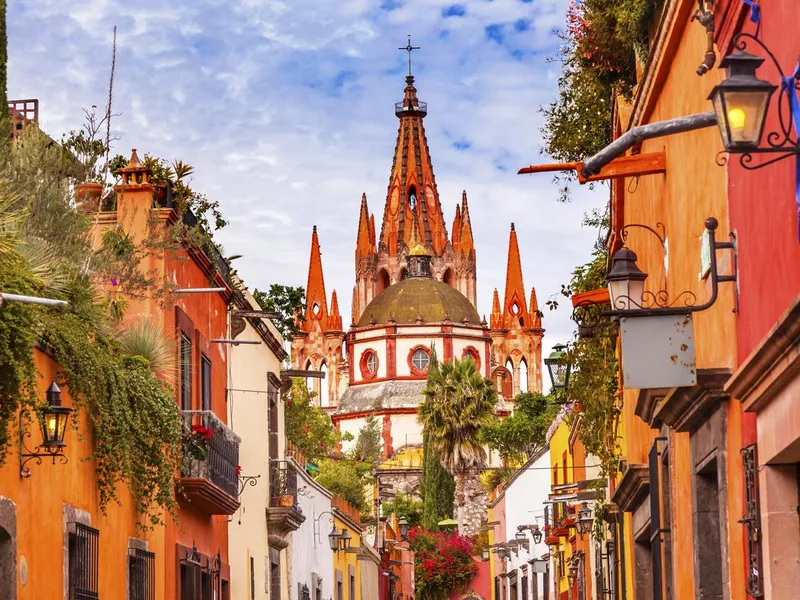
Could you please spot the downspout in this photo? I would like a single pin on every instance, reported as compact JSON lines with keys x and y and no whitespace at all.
{"x":635,"y":135}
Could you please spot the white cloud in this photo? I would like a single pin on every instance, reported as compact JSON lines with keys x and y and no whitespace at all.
{"x":285,"y":108}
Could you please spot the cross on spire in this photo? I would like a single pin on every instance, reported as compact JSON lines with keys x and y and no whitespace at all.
{"x":409,"y":48}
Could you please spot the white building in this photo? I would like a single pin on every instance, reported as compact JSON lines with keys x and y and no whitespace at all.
{"x":310,"y":554}
{"x":525,"y":496}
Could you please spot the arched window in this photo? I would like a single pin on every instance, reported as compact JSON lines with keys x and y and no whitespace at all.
{"x":369,"y":364}
{"x":383,"y":280}
{"x":472,"y":352}
{"x":324,"y":385}
{"x":412,"y":198}
{"x":310,"y":380}
{"x":418,"y":360}
{"x":510,"y":369}
{"x":523,"y":376}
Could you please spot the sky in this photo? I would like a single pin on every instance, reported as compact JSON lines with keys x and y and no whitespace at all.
{"x":286,"y":110}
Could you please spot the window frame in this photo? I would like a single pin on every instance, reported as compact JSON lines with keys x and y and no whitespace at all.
{"x":413,"y":367}
{"x":366,"y":356}
{"x":141,"y":574}
{"x":83,"y":585}
{"x":186,"y":371}
{"x":205,"y":382}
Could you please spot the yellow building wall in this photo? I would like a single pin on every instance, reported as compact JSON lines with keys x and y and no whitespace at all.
{"x":343,"y":560}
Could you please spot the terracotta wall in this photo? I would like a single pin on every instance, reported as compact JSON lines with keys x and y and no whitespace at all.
{"x":40,"y":502}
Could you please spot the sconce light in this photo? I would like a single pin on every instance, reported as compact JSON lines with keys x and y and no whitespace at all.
{"x":485,"y":553}
{"x":585,"y":521}
{"x":536,"y":534}
{"x":558,"y":368}
{"x":741,"y":102}
{"x":403,"y":522}
{"x":344,"y":539}
{"x":53,"y":425}
{"x":520,"y":536}
{"x":333,"y":536}
{"x":572,"y":575}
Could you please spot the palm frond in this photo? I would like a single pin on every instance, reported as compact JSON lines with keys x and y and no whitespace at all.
{"x":45,"y":264}
{"x":143,"y":336}
{"x":10,"y":218}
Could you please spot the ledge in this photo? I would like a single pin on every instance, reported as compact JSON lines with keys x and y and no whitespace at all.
{"x":771,"y":366}
{"x":200,"y":492}
{"x":281,"y":521}
{"x":686,"y":408}
{"x":633,"y":488}
{"x":646,"y":402}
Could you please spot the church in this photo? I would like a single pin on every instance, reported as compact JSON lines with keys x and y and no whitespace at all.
{"x":415,"y":292}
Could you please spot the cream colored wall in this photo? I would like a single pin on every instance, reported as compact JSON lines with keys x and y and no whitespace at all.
{"x":359,"y":348}
{"x":248,"y":417}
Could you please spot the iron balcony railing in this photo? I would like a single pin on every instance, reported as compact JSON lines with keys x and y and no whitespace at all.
{"x":282,"y":479}
{"x":218,"y":457}
{"x":401,"y":108}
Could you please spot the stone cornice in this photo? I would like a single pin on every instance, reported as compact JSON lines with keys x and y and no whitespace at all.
{"x":646,"y":402}
{"x":686,"y":408}
{"x":772,"y":365}
{"x":633,"y":488}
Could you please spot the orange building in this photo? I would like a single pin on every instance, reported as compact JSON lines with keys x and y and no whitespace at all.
{"x":54,"y":538}
{"x":195,"y":308}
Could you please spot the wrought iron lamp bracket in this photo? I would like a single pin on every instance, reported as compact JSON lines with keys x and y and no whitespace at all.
{"x":38,"y":453}
{"x":781,"y":144}
{"x":659,"y":303}
{"x":245,"y":480}
{"x":317,"y":529}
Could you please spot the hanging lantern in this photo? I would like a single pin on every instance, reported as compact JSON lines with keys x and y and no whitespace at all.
{"x":741,"y":101}
{"x":625,"y":281}
{"x":536,"y":534}
{"x":558,"y":368}
{"x":333,"y":538}
{"x":54,"y":420}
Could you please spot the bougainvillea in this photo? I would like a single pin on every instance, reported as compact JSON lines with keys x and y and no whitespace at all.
{"x":442,"y":563}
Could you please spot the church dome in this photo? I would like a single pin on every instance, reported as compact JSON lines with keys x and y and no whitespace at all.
{"x":417,"y":297}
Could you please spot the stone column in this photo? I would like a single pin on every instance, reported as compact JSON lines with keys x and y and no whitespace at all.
{"x":779,"y":522}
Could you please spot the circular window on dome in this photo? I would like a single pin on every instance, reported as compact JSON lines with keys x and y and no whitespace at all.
{"x":369,"y":364}
{"x":419,"y":360}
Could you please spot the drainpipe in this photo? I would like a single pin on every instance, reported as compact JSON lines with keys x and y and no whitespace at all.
{"x":634,"y":135}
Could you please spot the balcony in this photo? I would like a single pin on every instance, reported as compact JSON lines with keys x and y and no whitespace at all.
{"x":283,"y":513}
{"x":415,"y":108}
{"x":209,"y":480}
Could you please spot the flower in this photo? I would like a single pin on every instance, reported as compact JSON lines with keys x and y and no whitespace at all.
{"x":114,"y":281}
{"x":238,"y":469}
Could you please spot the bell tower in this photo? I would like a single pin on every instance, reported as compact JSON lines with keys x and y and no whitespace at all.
{"x":412,"y":199}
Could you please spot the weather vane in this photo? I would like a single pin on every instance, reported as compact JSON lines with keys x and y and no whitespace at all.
{"x":409,"y":48}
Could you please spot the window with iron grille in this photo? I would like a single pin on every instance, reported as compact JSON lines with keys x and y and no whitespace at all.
{"x":141,"y":575}
{"x":191,"y":578}
{"x":305,"y":593}
{"x":352,"y":587}
{"x":752,"y":522}
{"x":657,"y":530}
{"x":205,"y":380}
{"x":83,"y":562}
{"x":186,"y":372}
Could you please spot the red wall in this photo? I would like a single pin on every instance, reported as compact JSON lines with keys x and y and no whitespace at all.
{"x":763,"y":209}
{"x":482,"y":584}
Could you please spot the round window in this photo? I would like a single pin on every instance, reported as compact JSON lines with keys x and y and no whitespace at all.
{"x":372,"y":363}
{"x":420,"y":359}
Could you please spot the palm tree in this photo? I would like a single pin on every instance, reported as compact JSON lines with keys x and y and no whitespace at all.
{"x":458,"y":402}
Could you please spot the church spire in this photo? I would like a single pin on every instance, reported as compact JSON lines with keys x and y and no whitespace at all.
{"x":364,"y":243}
{"x":496,"y":318}
{"x":412,"y":185}
{"x":316,"y":301}
{"x":533,"y":307}
{"x":334,"y":319}
{"x":466,"y":243}
{"x":456,"y":231}
{"x":514,"y":305}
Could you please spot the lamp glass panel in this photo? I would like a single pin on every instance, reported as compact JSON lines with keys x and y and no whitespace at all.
{"x":719,"y":109}
{"x":745,"y":112}
{"x":626,"y":294}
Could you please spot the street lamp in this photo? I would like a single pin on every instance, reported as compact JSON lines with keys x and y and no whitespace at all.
{"x":485,"y":553}
{"x":52,"y":424}
{"x":741,"y":101}
{"x":585,"y":521}
{"x":625,"y":280}
{"x":536,"y":534}
{"x":403,"y":522}
{"x":333,"y":539}
{"x":558,"y":368}
{"x":344,"y":539}
{"x":520,"y":536}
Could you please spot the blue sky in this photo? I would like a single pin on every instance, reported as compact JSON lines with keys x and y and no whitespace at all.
{"x":285,"y":109}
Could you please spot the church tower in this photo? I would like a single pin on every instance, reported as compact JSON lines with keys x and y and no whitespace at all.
{"x":516,"y":331}
{"x":412,"y":195}
{"x":318,"y":344}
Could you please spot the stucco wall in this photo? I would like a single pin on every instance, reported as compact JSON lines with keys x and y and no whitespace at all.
{"x":248,"y":417}
{"x":310,"y":555}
